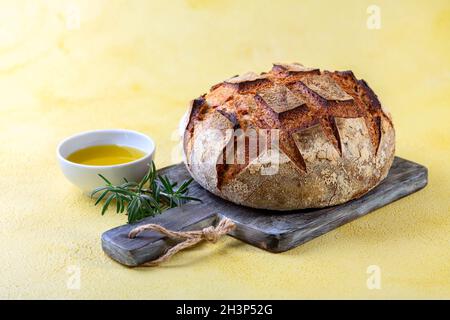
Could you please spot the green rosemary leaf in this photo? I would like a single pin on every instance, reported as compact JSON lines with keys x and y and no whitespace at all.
{"x":157,"y":193}
{"x":117,"y":203}
{"x":148,"y":176}
{"x":101,"y":197}
{"x":107,"y":202}
{"x":151,"y":201}
{"x":184,"y":187}
{"x":122,"y":191}
{"x":128,"y":185}
{"x":166,"y":183}
{"x":104,"y":179}
{"x":153,"y":170}
{"x":97,"y":190}
{"x":122,"y":205}
{"x":131,"y":210}
{"x":148,"y":197}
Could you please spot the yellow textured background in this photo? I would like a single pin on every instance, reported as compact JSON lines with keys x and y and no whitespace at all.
{"x":136,"y":64}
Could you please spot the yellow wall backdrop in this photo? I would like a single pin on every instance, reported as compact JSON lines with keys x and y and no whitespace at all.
{"x":69,"y":66}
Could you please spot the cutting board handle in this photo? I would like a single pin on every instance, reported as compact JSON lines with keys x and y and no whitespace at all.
{"x":150,"y":245}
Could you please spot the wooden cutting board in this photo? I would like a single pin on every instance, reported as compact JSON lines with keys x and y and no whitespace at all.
{"x":270,"y":230}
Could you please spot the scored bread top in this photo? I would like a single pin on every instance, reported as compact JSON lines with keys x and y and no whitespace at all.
{"x":291,"y":98}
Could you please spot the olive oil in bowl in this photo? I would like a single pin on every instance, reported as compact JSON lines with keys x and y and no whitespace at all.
{"x":106,"y":155}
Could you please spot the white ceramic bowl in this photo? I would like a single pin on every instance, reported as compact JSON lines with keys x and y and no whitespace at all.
{"x":86,"y":176}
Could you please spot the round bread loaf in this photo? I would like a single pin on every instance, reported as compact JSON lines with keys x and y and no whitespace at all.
{"x":311,"y":138}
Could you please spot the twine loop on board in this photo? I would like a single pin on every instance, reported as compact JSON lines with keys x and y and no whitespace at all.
{"x":191,"y":238}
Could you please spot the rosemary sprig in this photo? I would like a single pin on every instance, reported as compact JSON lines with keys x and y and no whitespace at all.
{"x":152,"y":195}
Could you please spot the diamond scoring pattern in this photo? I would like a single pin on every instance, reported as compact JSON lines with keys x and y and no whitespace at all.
{"x":293,"y":98}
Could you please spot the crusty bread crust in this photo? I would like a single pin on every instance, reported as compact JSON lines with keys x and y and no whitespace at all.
{"x":336,"y":142}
